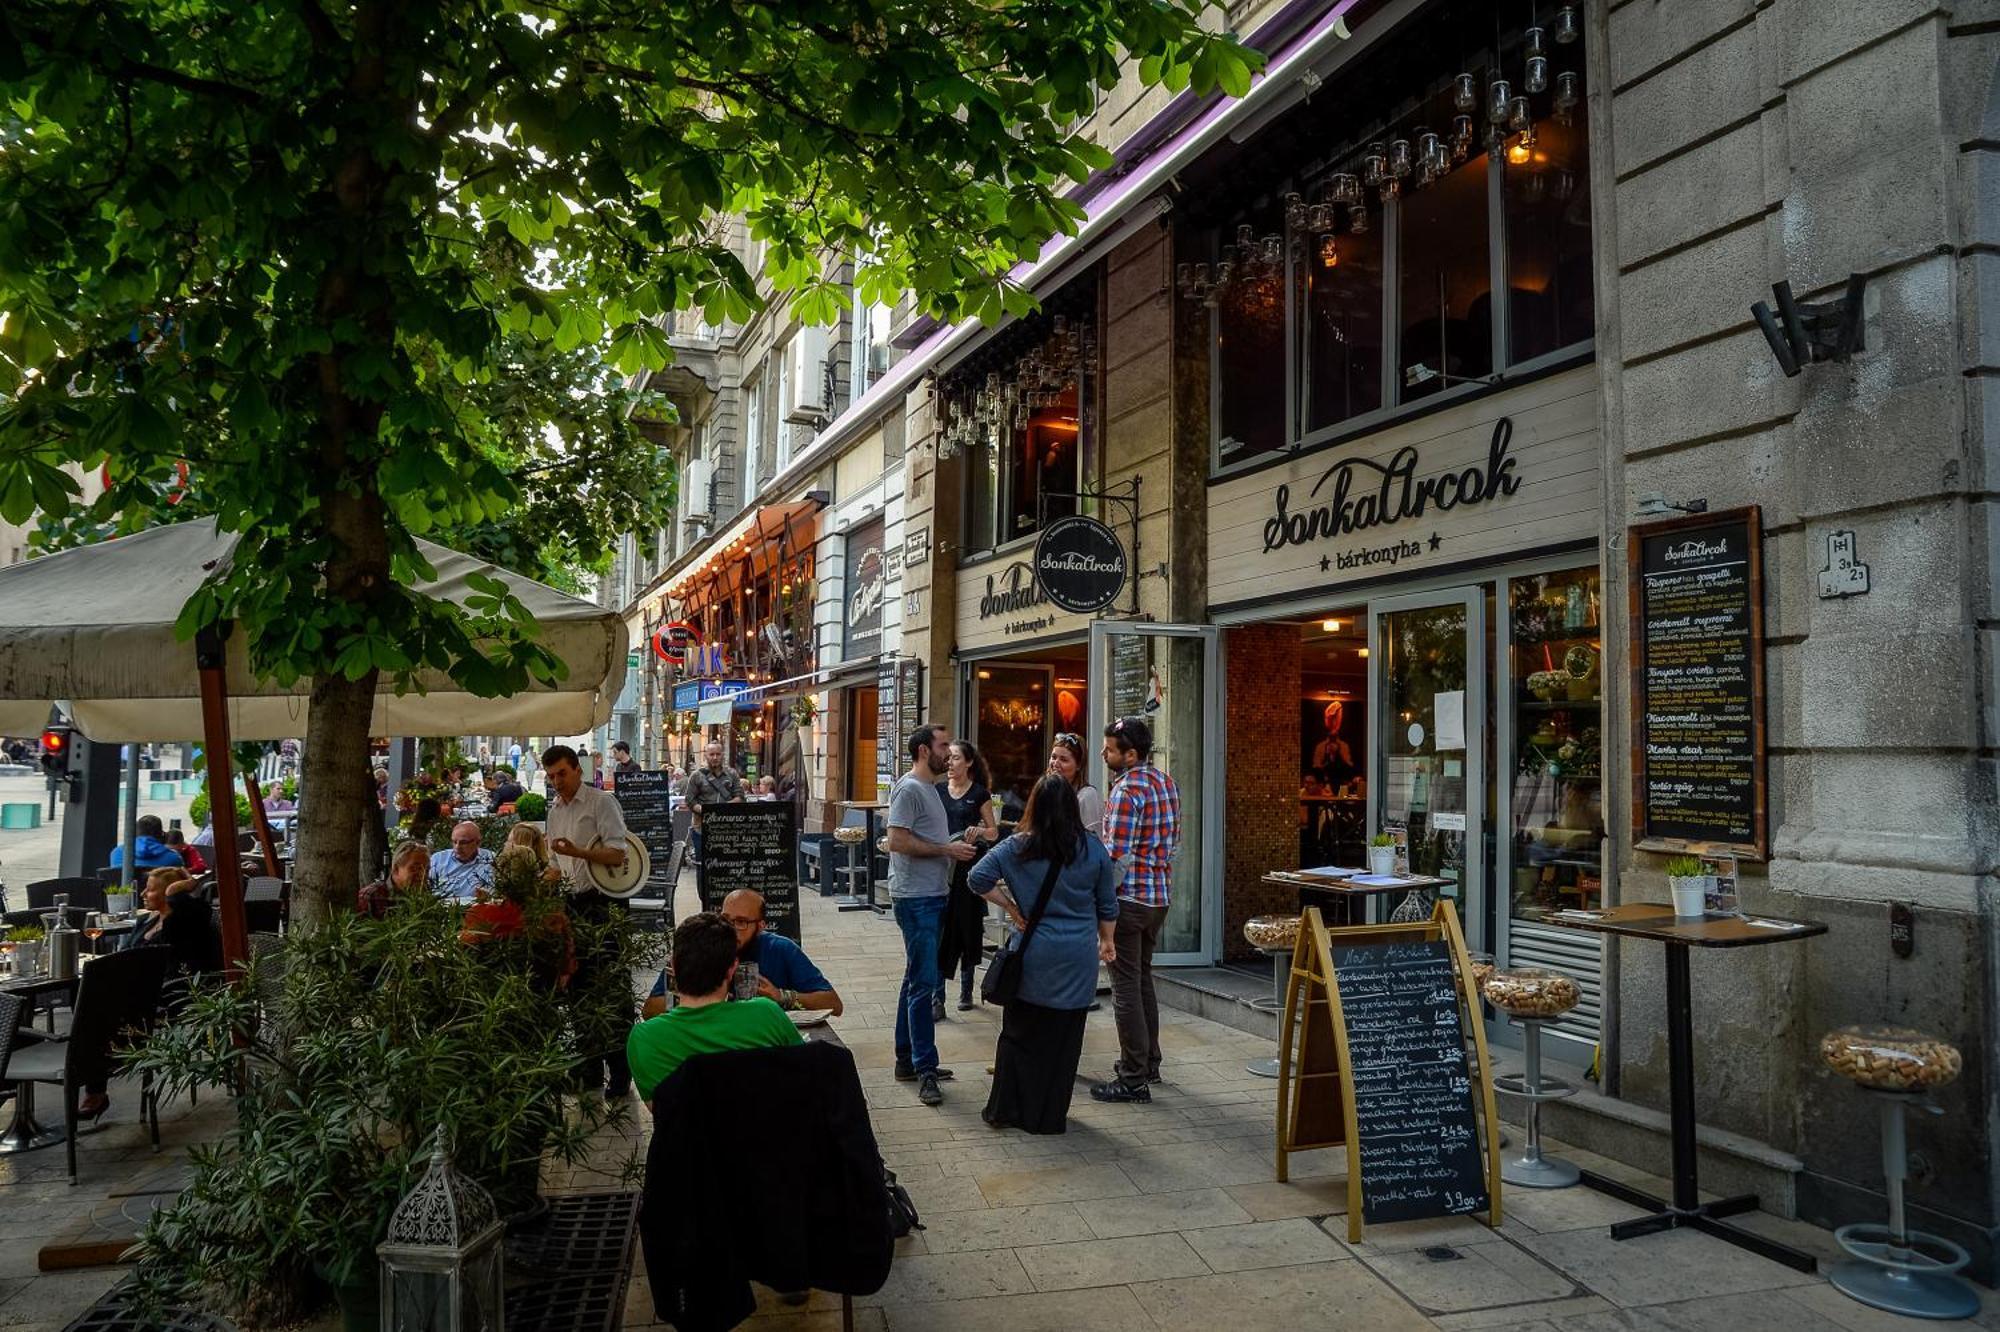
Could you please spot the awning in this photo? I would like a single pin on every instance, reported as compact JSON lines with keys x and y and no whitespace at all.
{"x":755,"y":542}
{"x":859,"y":671}
{"x":93,"y":628}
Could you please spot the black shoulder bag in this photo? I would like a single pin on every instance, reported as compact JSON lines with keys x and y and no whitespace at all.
{"x":1002,"y":982}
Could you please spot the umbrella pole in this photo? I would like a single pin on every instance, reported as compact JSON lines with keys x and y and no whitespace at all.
{"x":209,"y":658}
{"x":262,"y":822}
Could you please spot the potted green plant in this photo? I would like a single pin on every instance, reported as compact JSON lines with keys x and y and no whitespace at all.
{"x":532,"y":807}
{"x":1382,"y":853}
{"x":27,"y":941}
{"x":350,"y":1044}
{"x":1689,"y":885}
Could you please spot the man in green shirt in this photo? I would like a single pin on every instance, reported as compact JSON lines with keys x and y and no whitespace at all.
{"x":705,"y":1020}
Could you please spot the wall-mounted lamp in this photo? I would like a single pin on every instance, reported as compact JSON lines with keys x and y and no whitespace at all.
{"x":1656,"y":505}
{"x":1799,"y":334}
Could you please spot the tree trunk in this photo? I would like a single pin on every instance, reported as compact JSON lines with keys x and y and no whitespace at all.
{"x":340,"y":796}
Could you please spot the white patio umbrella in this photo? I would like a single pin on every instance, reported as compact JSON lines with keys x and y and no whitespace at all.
{"x":93,"y":628}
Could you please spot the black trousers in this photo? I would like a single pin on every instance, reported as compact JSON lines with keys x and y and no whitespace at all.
{"x":607,"y":1068}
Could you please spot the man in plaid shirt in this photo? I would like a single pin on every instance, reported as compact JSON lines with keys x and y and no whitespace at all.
{"x":1142,"y":830}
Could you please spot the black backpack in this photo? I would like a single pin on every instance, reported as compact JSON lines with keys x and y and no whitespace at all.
{"x":902,"y":1212}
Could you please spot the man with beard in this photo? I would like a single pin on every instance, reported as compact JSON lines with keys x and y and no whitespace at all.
{"x":785,"y":975}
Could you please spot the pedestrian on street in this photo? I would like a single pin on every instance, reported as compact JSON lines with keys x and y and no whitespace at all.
{"x":710,"y":784}
{"x":1041,"y":1028}
{"x":1066,"y":760}
{"x":968,"y":812}
{"x":1142,"y":831}
{"x":921,"y":853}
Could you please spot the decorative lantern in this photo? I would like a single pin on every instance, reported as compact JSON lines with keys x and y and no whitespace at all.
{"x":442,"y":1260}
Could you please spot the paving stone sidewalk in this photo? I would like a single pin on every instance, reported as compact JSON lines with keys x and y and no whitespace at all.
{"x":1140,"y":1217}
{"x":1166,"y":1216}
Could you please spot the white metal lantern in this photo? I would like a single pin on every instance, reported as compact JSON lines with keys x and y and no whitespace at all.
{"x":442,"y":1261}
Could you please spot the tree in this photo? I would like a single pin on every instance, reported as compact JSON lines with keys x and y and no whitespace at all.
{"x":298,"y":243}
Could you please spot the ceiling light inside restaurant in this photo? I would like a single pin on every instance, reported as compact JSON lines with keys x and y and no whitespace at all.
{"x":1331,"y":626}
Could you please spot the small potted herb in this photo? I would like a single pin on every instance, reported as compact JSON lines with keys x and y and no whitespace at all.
{"x":27,"y":941}
{"x":1689,"y":886}
{"x":1382,"y":853}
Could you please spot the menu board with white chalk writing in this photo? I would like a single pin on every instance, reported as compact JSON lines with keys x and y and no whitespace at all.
{"x":753,"y":845}
{"x":1413,"y":1090}
{"x":1697,"y":685}
{"x":645,"y":798}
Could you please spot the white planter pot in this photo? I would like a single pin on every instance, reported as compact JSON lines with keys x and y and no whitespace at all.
{"x":1689,"y":894}
{"x":118,"y":904}
{"x":1381,"y":860}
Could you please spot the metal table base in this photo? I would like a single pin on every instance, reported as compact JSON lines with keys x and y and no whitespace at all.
{"x":24,"y":1134}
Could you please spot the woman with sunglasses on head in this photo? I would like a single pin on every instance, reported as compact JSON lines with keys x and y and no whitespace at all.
{"x":1067,"y":761}
{"x":968,"y":813}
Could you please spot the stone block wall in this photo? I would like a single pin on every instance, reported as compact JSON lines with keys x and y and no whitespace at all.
{"x":1261,"y":741}
{"x":1804,"y":140}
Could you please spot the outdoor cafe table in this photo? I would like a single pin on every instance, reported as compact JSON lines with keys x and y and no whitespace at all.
{"x":22,"y":1133}
{"x":1654,"y":921}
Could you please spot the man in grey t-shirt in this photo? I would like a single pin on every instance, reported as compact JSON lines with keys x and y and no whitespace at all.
{"x":921,"y":850}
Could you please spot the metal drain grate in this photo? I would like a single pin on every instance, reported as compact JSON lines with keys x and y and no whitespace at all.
{"x":583,"y":1232}
{"x":580,"y":1258}
{"x":585,"y":1302}
{"x":1442,"y":1253}
{"x":113,"y":1313}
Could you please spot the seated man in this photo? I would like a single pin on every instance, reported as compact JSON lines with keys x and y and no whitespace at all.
{"x":462,"y":869}
{"x":703,"y":1022}
{"x":785,"y":975}
{"x":149,"y":850}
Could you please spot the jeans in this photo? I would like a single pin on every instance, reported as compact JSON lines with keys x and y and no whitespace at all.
{"x":921,"y":919}
{"x":1132,"y":997}
{"x":694,"y":844}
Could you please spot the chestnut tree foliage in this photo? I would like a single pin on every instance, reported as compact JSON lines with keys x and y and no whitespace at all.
{"x":319,"y":250}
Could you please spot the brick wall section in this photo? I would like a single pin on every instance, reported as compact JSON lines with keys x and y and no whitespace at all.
{"x":1261,"y":739}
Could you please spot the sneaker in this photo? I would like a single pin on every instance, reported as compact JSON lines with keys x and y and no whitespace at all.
{"x":927,"y":1090}
{"x":904,"y":1073}
{"x":1118,"y":1091}
{"x":1152,"y":1078}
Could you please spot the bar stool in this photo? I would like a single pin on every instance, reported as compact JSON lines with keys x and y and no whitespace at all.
{"x":1275,"y":937}
{"x":854,"y":873}
{"x":1897,"y":1269}
{"x":1532,"y":996}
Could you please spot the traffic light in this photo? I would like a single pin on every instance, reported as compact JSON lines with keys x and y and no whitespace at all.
{"x":56,"y":751}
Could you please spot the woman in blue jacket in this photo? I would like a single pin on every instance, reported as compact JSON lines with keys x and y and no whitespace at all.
{"x":1041,"y":1031}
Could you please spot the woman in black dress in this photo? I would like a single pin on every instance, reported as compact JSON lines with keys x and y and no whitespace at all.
{"x":968,"y":813}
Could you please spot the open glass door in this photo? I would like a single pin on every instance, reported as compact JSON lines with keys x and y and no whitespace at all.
{"x":1428,"y":693}
{"x":1166,"y":674}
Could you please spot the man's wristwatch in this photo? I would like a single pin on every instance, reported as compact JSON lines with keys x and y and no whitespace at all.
{"x":788,"y":999}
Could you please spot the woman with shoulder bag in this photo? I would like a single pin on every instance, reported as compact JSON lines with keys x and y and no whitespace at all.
{"x":1063,"y":905}
{"x":968,"y":815}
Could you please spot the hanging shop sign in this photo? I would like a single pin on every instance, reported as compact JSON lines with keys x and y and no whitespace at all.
{"x":672,"y":640}
{"x":867,"y":586}
{"x":1697,"y":625}
{"x":691,"y":694}
{"x":1496,"y":477}
{"x":1080,"y":564}
{"x":707,"y":659}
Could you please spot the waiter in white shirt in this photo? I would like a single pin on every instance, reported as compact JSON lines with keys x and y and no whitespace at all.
{"x":585,"y":828}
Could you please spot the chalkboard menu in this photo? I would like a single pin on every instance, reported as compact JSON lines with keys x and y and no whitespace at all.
{"x":1129,"y":675}
{"x":909,"y":696}
{"x":1419,"y":1139}
{"x":753,"y":845}
{"x":888,"y":733}
{"x":1698,"y":684}
{"x":645,"y":799}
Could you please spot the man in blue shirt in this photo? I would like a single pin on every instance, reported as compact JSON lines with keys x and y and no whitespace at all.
{"x":149,"y":849}
{"x":463,"y":868}
{"x":785,"y":975}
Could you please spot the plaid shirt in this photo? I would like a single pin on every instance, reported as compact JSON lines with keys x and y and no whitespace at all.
{"x":1142,"y":827}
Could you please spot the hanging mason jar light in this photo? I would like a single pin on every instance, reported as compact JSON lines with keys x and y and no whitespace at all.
{"x":1568,"y":85}
{"x":1567,"y":26}
{"x":1295,"y":210}
{"x":1499,"y":96}
{"x":1374,"y":166}
{"x":1465,"y":92}
{"x":1461,"y":138}
{"x":1357,"y":218}
{"x":1344,"y":188}
{"x":1400,"y":162}
{"x":1536,"y":49}
{"x":1518,"y":119}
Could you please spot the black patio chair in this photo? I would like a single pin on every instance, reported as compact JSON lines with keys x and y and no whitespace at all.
{"x":83,"y":891}
{"x":116,"y":1000}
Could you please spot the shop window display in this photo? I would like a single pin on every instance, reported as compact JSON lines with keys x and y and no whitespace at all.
{"x":1558,"y":763}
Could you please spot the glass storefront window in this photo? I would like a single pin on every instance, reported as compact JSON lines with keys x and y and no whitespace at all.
{"x":1557,"y":781}
{"x":1446,"y":278}
{"x":1424,"y":690}
{"x":1549,"y":300}
{"x":982,"y":496}
{"x":1248,"y":309}
{"x":1338,"y":287}
{"x":1044,"y":464}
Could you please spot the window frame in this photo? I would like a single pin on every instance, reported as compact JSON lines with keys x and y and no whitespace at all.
{"x":1507,"y":373}
{"x":1089,"y":474}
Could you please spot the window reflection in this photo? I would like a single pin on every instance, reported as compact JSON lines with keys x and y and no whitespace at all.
{"x":1549,"y":299}
{"x":1338,"y":283}
{"x":1248,"y":308}
{"x":1446,"y":284}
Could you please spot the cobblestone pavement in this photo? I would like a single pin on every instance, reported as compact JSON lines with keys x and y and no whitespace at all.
{"x":1141,"y":1217}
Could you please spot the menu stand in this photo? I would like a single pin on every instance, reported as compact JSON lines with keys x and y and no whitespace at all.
{"x":1657,"y":922}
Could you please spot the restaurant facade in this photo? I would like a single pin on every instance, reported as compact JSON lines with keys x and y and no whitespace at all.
{"x":1419,"y":367}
